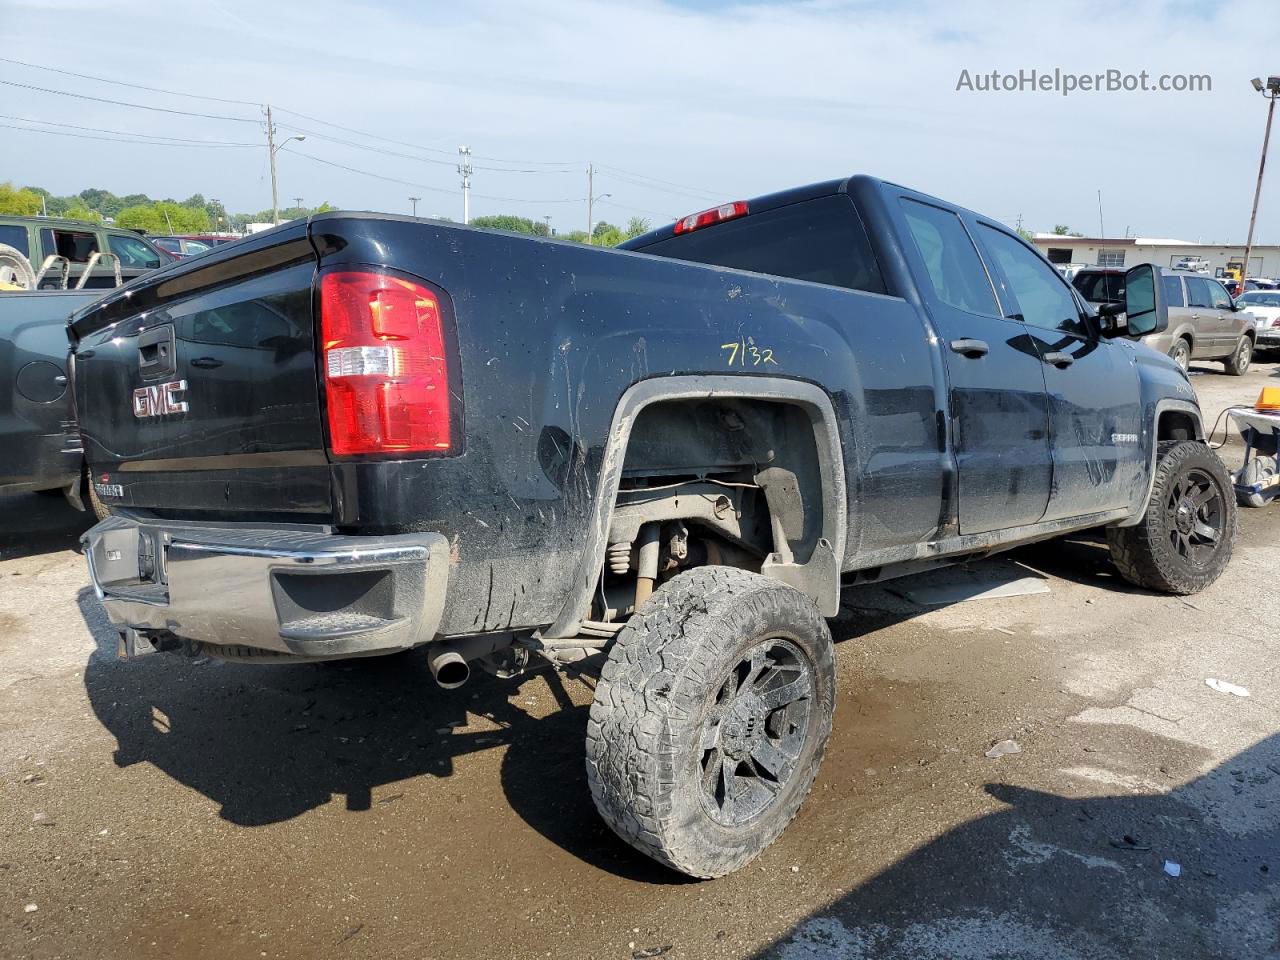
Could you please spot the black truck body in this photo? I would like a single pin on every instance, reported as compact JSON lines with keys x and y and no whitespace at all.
{"x":848,"y":388}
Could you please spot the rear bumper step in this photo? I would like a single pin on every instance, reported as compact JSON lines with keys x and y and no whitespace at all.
{"x":295,"y":591}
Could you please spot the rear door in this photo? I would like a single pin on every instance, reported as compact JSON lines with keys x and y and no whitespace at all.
{"x":199,"y":391}
{"x":1230,"y":323}
{"x":999,"y":410}
{"x":1093,"y":389}
{"x":1205,"y":325}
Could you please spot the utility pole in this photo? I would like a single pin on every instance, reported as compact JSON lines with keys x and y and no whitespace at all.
{"x":464,"y":170}
{"x":548,"y":219}
{"x":414,"y":201}
{"x":1271,"y":91}
{"x":1102,"y":231}
{"x":297,"y":202}
{"x":271,"y":149}
{"x":590,"y":199}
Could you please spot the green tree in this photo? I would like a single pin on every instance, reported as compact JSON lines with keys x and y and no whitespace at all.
{"x":506,"y":221}
{"x":637,"y":226}
{"x":76,"y":209}
{"x":21,"y":203}
{"x":164,"y":217}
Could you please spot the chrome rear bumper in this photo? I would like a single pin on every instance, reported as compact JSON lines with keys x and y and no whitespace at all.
{"x":301,"y":591}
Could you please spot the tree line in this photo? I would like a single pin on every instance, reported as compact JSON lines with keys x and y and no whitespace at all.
{"x":198,"y":215}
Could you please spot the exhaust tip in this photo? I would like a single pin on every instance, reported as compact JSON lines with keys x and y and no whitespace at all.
{"x":450,"y":670}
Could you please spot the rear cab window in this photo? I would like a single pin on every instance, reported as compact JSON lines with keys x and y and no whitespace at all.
{"x":1097,"y":287}
{"x":820,"y":240}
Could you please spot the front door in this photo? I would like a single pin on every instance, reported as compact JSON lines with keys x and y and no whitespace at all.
{"x":999,"y":415}
{"x":1094,"y":396}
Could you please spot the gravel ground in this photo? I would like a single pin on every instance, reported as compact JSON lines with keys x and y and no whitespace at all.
{"x":178,"y":808}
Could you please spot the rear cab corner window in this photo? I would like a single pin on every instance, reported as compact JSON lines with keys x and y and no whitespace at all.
{"x":951,"y":262}
{"x":820,"y":240}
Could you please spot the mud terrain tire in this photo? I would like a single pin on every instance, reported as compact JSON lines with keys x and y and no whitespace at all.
{"x":1184,"y":540}
{"x":711,"y":718}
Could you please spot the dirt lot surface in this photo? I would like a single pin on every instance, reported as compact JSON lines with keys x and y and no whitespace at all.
{"x":176,"y":808}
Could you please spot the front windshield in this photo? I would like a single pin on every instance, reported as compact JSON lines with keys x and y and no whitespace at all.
{"x":1261,"y":299}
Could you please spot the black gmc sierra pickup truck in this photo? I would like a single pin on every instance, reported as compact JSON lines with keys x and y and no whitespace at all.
{"x":361,"y":433}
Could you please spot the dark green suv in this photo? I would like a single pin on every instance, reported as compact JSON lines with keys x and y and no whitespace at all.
{"x":38,"y":237}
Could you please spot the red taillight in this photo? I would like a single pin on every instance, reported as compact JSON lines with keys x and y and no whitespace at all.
{"x":385,"y":374}
{"x":726,"y":211}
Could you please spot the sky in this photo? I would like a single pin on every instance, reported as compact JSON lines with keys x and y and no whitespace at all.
{"x":678,"y":105}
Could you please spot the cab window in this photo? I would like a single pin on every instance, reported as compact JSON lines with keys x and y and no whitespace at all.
{"x":950,"y":258}
{"x":1043,"y":300}
{"x":75,"y":245}
{"x":1173,"y":291}
{"x":1221,"y":300}
{"x":133,"y":252}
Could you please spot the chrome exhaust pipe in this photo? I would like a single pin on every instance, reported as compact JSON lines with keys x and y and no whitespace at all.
{"x":450,"y":660}
{"x":448,"y":666}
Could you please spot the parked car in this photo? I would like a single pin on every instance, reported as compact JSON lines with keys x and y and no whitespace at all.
{"x":1204,"y":322}
{"x":1265,"y":307}
{"x":38,"y":433}
{"x":38,"y":237}
{"x":360,"y":433}
{"x":189,"y":245}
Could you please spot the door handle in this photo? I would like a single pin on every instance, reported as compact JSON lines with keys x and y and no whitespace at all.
{"x":206,"y":363}
{"x":970,"y":348}
{"x":1059,"y":359}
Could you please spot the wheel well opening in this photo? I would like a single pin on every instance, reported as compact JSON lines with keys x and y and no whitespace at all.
{"x":1177,"y":425}
{"x":715,"y":480}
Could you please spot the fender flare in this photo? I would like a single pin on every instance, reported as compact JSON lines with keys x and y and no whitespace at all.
{"x":1162,"y":406}
{"x":808,"y":396}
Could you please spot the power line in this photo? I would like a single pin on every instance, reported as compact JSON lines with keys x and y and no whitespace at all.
{"x":127,"y":133}
{"x":122,"y":83}
{"x":700,"y":197}
{"x":150,"y":143}
{"x":123,"y":103}
{"x":669,"y":183}
{"x":423,"y":186}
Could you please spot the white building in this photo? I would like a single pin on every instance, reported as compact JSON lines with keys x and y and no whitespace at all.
{"x":1264,"y":259}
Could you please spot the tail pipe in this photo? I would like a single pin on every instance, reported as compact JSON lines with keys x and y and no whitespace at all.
{"x":450,"y":660}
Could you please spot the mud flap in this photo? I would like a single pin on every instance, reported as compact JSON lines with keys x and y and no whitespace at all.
{"x":819,"y":579}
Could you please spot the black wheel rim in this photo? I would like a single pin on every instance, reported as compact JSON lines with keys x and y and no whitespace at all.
{"x":1197,"y":512}
{"x":754,"y":731}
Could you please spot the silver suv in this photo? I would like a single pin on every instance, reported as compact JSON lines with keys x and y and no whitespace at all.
{"x":1204,"y":322}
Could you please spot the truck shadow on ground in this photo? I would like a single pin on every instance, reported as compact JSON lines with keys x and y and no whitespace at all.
{"x":33,"y":524}
{"x":272,"y":742}
{"x":1062,"y":877}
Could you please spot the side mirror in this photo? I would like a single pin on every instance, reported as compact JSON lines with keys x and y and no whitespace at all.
{"x":1109,"y":315}
{"x":1144,"y":304}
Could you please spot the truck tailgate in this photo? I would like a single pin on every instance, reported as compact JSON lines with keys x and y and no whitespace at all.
{"x":196,"y":387}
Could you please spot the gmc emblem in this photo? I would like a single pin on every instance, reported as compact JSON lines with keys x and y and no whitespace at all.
{"x":159,"y":400}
